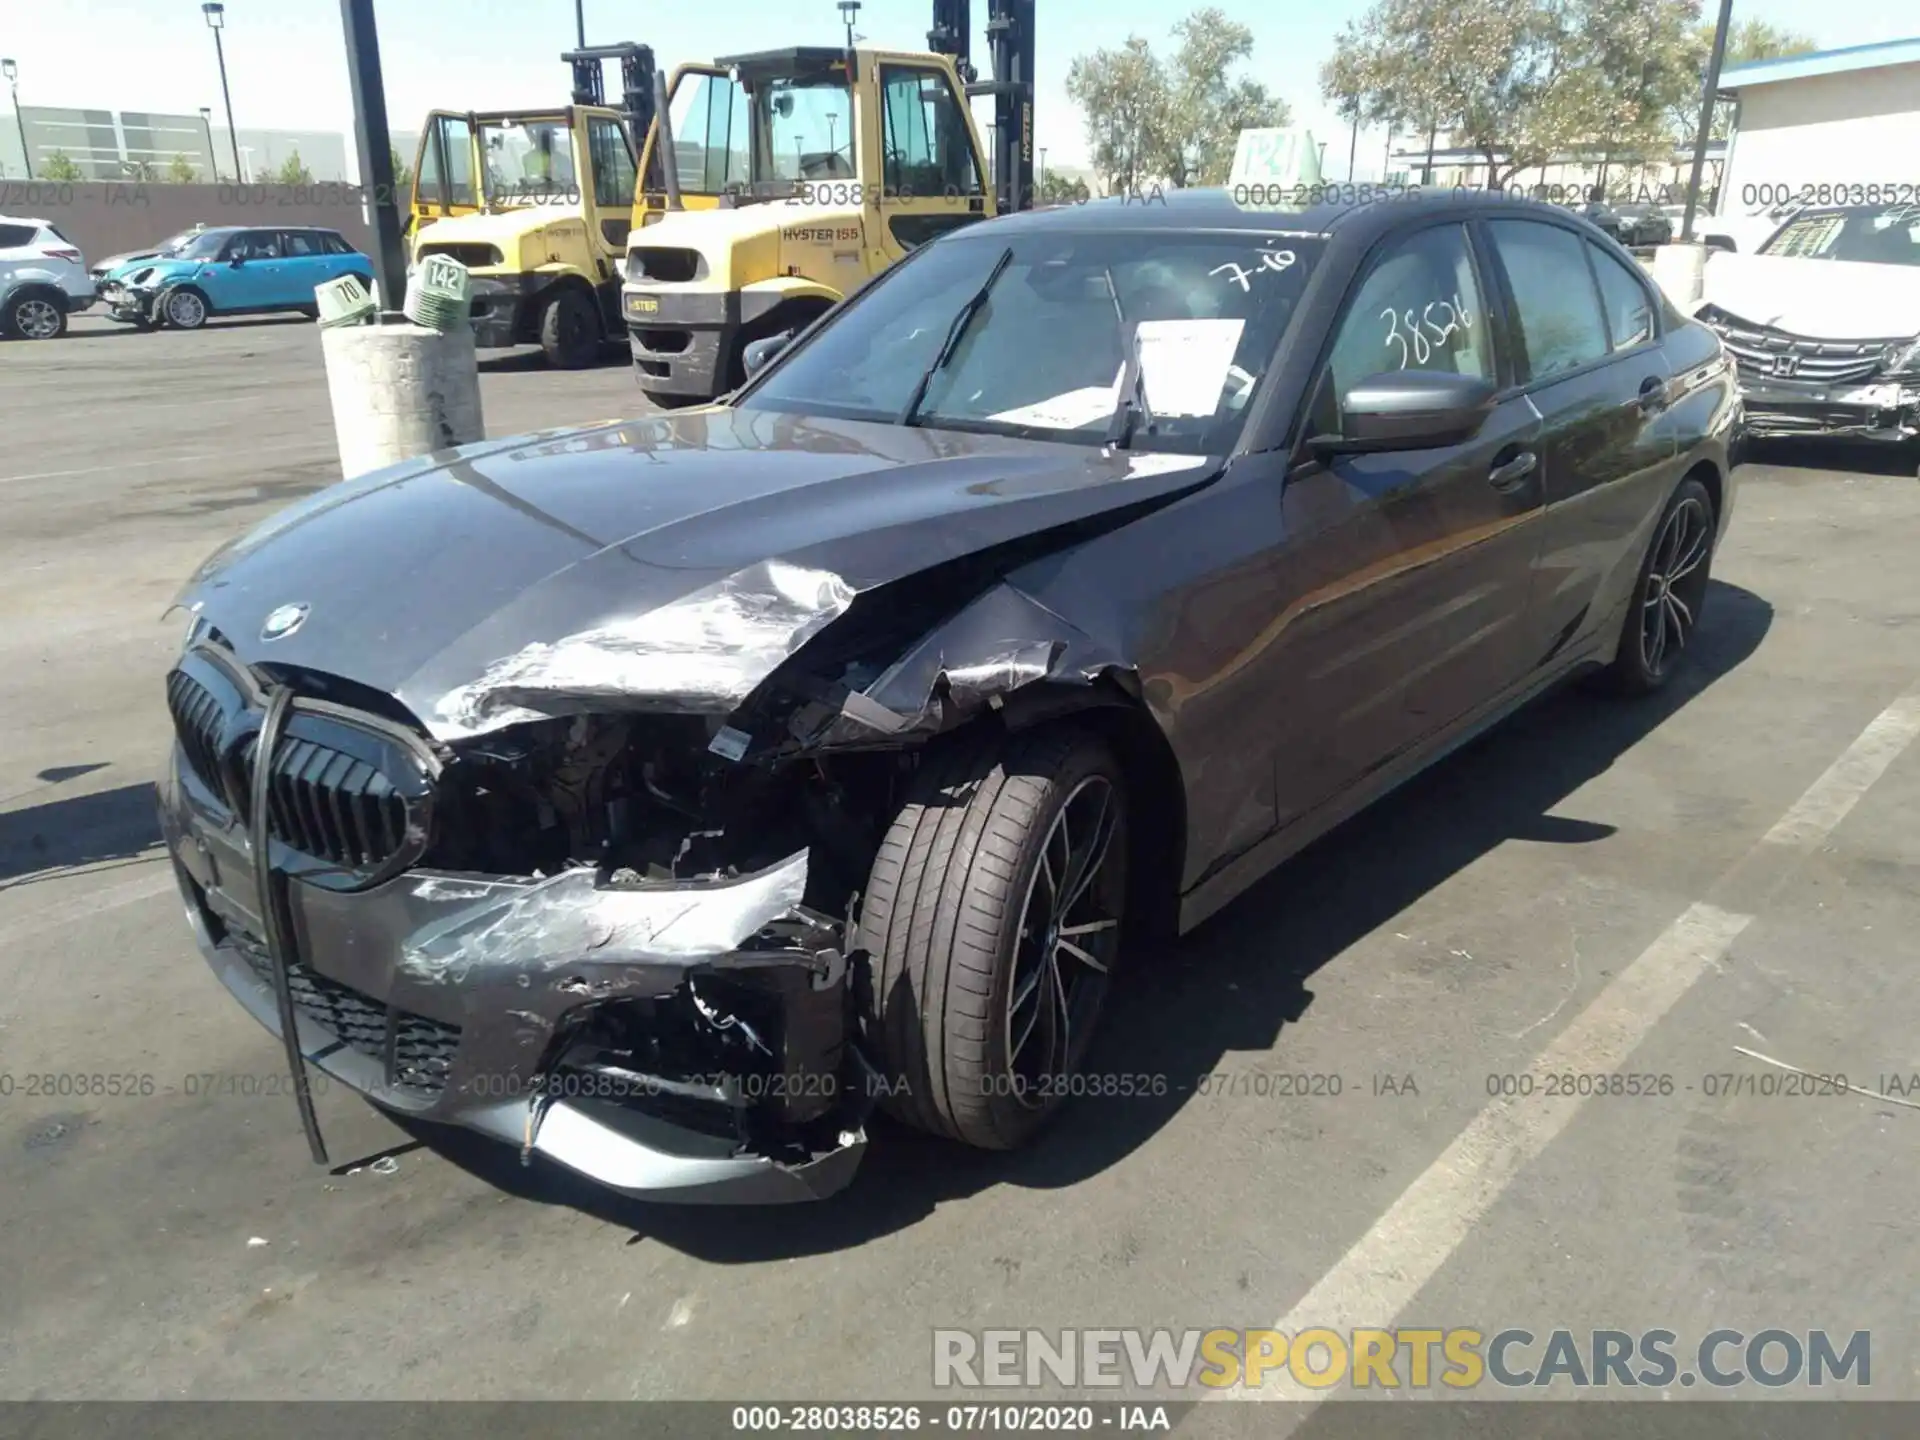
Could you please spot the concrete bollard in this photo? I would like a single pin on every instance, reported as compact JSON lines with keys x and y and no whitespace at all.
{"x":399,"y":390}
{"x":1681,"y":271}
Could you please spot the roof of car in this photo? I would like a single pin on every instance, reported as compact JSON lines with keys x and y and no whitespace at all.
{"x":23,"y":220}
{"x":1218,"y":209}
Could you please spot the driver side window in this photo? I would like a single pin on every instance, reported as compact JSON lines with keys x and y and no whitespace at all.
{"x":1419,"y":308}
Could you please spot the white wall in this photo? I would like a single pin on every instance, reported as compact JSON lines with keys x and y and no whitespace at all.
{"x":1861,"y":127}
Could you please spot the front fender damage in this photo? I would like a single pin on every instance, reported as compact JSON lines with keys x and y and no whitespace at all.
{"x":670,"y":974}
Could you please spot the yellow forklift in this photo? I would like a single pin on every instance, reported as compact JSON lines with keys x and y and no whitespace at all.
{"x":537,"y":204}
{"x":780,"y":182}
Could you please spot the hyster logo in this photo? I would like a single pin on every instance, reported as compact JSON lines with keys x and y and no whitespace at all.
{"x":821,"y":234}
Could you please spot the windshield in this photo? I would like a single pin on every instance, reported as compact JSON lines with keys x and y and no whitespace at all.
{"x":528,"y":162}
{"x":175,"y":244}
{"x":1874,"y":234}
{"x":802,"y":129}
{"x":203,"y":246}
{"x":1045,"y":354}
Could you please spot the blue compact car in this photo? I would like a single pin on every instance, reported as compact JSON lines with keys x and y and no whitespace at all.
{"x":231,"y":271}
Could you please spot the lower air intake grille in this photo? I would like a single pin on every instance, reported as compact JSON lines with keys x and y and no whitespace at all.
{"x":423,"y":1049}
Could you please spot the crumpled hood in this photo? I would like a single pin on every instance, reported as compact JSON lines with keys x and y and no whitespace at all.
{"x":1829,"y":299}
{"x":682,"y":556}
{"x":163,"y":267}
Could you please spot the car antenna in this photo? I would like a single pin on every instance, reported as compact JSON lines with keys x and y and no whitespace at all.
{"x":962,"y":318}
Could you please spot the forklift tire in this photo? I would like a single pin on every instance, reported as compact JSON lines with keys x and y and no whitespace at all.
{"x":569,"y":330}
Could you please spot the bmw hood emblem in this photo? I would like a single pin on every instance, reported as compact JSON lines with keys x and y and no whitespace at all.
{"x":283,"y":622}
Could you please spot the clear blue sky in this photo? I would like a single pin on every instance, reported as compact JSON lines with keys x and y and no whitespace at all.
{"x":286,"y":58}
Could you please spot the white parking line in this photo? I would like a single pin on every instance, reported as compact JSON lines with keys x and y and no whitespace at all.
{"x":82,"y":907}
{"x":1380,"y":1276}
{"x":119,"y":465}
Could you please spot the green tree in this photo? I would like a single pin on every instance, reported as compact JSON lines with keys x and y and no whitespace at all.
{"x":1748,"y":41}
{"x":60,"y":166}
{"x":141,"y":171}
{"x":1058,"y":189}
{"x":180,"y":171}
{"x":1176,"y":119}
{"x":293,"y":171}
{"x":402,"y":172}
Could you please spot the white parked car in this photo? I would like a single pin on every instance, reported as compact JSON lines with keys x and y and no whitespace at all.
{"x":43,"y":279}
{"x":1824,"y":323}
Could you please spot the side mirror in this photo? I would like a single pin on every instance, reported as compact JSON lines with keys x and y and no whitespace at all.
{"x":1409,"y":410}
{"x":237,"y":261}
{"x":759,"y":353}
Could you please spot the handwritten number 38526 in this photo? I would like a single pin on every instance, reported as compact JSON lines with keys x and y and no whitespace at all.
{"x":1437,"y":324}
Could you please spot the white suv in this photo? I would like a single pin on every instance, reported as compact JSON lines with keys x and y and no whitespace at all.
{"x":43,"y":279}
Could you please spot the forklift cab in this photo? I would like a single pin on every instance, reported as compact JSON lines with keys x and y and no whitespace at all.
{"x":496,"y":161}
{"x":793,"y":126}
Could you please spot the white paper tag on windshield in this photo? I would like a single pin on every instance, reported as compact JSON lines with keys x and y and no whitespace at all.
{"x":1068,"y":411}
{"x":1184,"y":363}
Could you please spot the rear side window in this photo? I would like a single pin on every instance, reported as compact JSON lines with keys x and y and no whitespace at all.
{"x":1629,"y":308}
{"x":336,"y":245}
{"x":1561,"y":323}
{"x":302,"y":242}
{"x":14,"y":236}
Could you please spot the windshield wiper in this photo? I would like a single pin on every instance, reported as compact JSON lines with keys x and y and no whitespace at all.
{"x":958,"y":328}
{"x":1132,"y":410}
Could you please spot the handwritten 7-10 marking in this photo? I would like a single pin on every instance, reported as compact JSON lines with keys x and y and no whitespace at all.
{"x":1274,"y":260}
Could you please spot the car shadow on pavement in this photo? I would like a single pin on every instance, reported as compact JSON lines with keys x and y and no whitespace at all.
{"x":1232,"y":985}
{"x":82,"y":830}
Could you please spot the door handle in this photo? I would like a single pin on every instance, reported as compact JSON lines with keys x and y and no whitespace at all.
{"x":1510,"y":473}
{"x":1653,"y":395}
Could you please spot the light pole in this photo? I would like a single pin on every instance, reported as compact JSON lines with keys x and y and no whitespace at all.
{"x":206,"y":124}
{"x":12,"y":72}
{"x":1709,"y":94}
{"x":580,"y":21}
{"x":1043,"y":169}
{"x":849,"y":9}
{"x":216,"y":21}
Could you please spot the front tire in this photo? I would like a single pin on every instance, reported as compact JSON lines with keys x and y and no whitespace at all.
{"x":1667,"y":599}
{"x":992,"y":917}
{"x":183,"y":309}
{"x":570,"y":331}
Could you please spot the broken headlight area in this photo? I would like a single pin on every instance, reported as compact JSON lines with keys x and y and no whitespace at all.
{"x":644,"y":799}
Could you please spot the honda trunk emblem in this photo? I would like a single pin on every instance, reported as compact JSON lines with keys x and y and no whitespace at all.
{"x":283,"y":622}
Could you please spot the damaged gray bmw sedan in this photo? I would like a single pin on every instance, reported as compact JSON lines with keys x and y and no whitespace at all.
{"x":660,"y":797}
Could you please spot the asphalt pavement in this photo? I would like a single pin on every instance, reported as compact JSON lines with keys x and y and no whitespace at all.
{"x":1594,"y":888}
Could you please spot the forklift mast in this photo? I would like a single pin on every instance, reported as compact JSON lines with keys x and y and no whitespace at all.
{"x":1010,"y":45}
{"x":636,"y":83}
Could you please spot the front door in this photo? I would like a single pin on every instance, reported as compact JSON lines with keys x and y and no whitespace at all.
{"x":443,"y":169}
{"x":932,"y":178}
{"x":712,"y":142}
{"x":248,"y":276}
{"x":1416,"y":614}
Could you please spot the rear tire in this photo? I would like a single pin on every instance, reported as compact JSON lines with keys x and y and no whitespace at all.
{"x":1667,"y":599}
{"x":35,"y":315}
{"x":570,"y":330}
{"x":985,"y":994}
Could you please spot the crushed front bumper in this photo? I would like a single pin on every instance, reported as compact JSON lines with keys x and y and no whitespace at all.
{"x":1887,"y":411}
{"x":680,"y":1042}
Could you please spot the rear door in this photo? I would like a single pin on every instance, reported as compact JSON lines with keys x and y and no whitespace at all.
{"x":306,"y":264}
{"x":932,"y":178}
{"x":1587,"y":352}
{"x":1424,"y":558}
